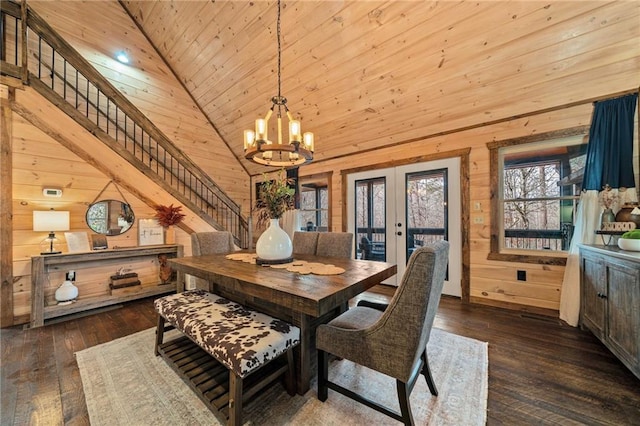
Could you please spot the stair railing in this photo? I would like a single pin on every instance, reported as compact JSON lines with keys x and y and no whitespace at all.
{"x":64,"y":77}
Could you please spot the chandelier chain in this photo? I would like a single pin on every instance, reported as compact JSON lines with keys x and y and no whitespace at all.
{"x":279,"y":50}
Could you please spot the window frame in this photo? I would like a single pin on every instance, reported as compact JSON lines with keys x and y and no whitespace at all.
{"x":495,"y":169}
{"x":317,"y":210}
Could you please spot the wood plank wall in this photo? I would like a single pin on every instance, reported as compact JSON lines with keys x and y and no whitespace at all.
{"x":41,"y":162}
{"x":491,"y":282}
{"x":149,"y":85}
{"x":372,"y":125}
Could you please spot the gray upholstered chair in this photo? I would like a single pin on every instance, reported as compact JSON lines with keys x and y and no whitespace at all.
{"x":203,"y":243}
{"x":304,"y":242}
{"x":335,"y":244}
{"x":393,"y":342}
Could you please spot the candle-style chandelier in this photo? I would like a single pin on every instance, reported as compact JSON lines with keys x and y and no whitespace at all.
{"x":258,"y":147}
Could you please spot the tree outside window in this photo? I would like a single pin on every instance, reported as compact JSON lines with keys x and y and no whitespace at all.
{"x":538,"y":181}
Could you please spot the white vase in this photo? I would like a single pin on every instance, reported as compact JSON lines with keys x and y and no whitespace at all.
{"x":274,"y":243}
{"x":66,"y":292}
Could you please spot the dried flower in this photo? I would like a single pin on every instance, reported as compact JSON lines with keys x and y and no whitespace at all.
{"x":607,"y":197}
{"x":274,"y":198}
{"x":168,"y":215}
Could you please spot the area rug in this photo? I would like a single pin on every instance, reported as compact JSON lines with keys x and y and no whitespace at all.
{"x":125,"y":384}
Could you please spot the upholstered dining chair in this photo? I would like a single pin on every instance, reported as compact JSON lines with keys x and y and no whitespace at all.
{"x":203,"y":243}
{"x":335,"y":244}
{"x":304,"y":242}
{"x":393,"y":341}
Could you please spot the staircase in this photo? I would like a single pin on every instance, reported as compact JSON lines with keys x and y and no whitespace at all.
{"x":34,"y":53}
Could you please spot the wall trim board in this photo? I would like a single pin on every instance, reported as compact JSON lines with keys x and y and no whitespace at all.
{"x":6,"y":213}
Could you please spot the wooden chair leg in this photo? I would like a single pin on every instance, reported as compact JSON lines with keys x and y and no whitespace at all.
{"x":323,"y":375}
{"x":405,"y":405}
{"x":159,"y":334}
{"x":426,"y":372}
{"x":235,"y":400}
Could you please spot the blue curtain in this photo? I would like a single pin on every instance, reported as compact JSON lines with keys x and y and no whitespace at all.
{"x":610,"y":149}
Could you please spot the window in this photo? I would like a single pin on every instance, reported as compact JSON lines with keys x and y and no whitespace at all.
{"x":537,"y":181}
{"x":314,"y":207}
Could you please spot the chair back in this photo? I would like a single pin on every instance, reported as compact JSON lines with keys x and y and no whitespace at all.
{"x":335,"y":244}
{"x":203,"y":243}
{"x":406,"y":323}
{"x":304,"y":242}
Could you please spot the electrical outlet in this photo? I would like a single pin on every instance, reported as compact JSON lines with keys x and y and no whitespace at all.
{"x":70,"y":276}
{"x":522,"y":275}
{"x":478,"y":219}
{"x":477,"y":206}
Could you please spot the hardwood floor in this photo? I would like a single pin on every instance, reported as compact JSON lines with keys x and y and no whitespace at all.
{"x":540,"y":371}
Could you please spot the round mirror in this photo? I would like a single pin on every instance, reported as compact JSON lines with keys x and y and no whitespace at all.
{"x":110,"y":217}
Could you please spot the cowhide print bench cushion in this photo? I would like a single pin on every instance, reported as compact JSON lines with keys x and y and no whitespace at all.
{"x":238,"y":337}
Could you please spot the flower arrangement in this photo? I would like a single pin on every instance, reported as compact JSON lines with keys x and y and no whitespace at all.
{"x":274,"y":198}
{"x":607,"y":197}
{"x":168,"y":215}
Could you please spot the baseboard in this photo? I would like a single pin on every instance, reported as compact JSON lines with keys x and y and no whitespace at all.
{"x":532,"y":310}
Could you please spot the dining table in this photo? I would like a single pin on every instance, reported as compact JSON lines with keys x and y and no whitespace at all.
{"x":301,"y":298}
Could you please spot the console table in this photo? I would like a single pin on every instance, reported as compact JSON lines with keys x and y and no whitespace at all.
{"x":610,"y":287}
{"x":106,"y":262}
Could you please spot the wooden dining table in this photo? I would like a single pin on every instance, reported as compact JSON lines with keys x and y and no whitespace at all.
{"x":305,"y":300}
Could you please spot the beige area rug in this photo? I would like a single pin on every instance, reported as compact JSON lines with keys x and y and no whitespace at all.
{"x":125,"y":384}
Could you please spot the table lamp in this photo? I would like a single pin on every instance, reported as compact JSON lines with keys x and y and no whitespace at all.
{"x":50,"y":221}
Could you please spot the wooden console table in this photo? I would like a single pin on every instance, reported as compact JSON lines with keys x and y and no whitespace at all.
{"x":42,"y":265}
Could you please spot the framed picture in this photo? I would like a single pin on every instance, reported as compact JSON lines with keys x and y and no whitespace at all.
{"x":150,"y":232}
{"x":99,"y":242}
{"x":77,"y":241}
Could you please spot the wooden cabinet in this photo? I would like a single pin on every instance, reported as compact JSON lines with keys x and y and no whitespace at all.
{"x":610,"y":300}
{"x":93,"y":270}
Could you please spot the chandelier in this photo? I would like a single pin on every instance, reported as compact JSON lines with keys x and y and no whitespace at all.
{"x":260,"y":149}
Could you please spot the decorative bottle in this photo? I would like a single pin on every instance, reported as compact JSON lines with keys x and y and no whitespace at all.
{"x":66,"y":293}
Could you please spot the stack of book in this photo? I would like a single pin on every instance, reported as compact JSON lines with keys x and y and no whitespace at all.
{"x":123,"y":283}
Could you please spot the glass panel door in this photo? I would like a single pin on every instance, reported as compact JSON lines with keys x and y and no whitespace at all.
{"x":426,"y":208}
{"x":394,"y":211}
{"x":370,"y":218}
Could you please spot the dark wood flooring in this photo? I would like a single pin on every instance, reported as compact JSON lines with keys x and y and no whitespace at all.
{"x":540,"y":371}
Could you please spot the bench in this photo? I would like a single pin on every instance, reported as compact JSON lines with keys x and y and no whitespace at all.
{"x":227,"y":352}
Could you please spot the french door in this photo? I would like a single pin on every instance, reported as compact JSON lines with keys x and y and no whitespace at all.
{"x":394,"y":211}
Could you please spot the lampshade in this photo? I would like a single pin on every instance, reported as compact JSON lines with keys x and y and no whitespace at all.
{"x":50,"y":220}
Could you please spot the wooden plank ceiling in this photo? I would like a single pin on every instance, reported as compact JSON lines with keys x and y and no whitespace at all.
{"x":365,"y":74}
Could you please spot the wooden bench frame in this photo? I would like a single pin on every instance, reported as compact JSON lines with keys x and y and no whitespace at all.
{"x":221,"y":389}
